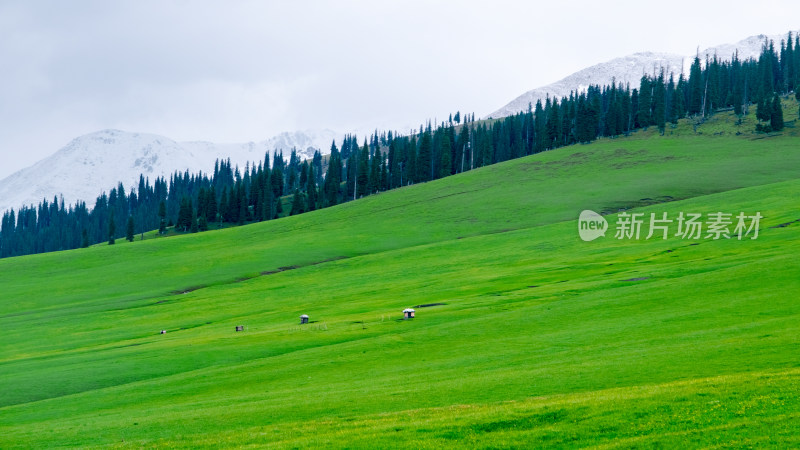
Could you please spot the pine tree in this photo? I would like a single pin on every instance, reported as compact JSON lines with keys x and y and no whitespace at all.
{"x":244,"y":210}
{"x":278,"y":207}
{"x":84,"y":238}
{"x":644,"y":114}
{"x":423,"y":162}
{"x":362,"y":175}
{"x":112,"y":228}
{"x":162,"y":214}
{"x":659,"y":103}
{"x":446,"y":165}
{"x":202,"y":223}
{"x":695,"y":88}
{"x":211,"y":205}
{"x":539,"y":126}
{"x":185,"y":214}
{"x":796,"y":65}
{"x":311,"y":190}
{"x":297,"y":203}
{"x":374,"y":183}
{"x":787,"y":60}
{"x":776,"y":118}
{"x":195,"y":226}
{"x":766,"y":71}
{"x":763,"y":110}
{"x":384,"y":184}
{"x":129,"y":229}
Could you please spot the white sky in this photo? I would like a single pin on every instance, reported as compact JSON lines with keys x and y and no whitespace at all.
{"x":238,"y":71}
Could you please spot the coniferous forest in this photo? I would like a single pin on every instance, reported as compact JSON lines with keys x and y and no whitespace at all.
{"x":233,"y":196}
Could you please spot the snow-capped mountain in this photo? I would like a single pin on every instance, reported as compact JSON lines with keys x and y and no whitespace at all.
{"x":98,"y":161}
{"x":629,"y":69}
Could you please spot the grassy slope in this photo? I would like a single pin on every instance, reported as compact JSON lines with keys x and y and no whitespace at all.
{"x":583,"y":356}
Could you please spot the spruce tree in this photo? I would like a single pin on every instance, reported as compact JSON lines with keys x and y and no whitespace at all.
{"x":311,"y":190}
{"x":297,"y":203}
{"x":244,"y":210}
{"x":185,"y":214}
{"x":660,"y":103}
{"x":695,"y":105}
{"x":644,"y":114}
{"x":129,"y":229}
{"x":796,"y":65}
{"x":375,"y":172}
{"x":222,"y":212}
{"x":195,"y":226}
{"x":84,"y":238}
{"x":112,"y":228}
{"x":763,"y":110}
{"x":423,"y":161}
{"x":539,"y":126}
{"x":410,"y":168}
{"x":278,"y":207}
{"x":162,"y":214}
{"x":362,"y":175}
{"x":211,"y":205}
{"x":446,"y":165}
{"x":776,"y":118}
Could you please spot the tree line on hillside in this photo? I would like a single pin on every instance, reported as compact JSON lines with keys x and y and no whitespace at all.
{"x":230,"y":196}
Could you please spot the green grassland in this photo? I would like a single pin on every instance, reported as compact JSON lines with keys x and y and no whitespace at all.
{"x":538,"y":338}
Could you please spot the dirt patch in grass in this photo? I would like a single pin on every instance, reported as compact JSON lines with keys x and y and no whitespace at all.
{"x":187,"y":290}
{"x":785,"y":224}
{"x":266,"y":272}
{"x":637,"y":279}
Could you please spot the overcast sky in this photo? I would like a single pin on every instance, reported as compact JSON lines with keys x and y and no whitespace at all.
{"x":238,"y":71}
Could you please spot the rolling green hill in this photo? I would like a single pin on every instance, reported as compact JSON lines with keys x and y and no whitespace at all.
{"x":534,"y":337}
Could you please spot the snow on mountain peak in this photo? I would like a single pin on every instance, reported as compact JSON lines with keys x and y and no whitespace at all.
{"x":629,"y":69}
{"x":98,"y":161}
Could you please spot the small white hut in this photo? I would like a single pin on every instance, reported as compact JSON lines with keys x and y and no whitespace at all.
{"x":408,"y":313}
{"x":304,"y":318}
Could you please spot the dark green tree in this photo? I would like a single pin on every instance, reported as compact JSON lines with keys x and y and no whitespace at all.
{"x":362,"y":175}
{"x":423,"y":162}
{"x":222,"y":212}
{"x":211,"y":206}
{"x":297,"y":203}
{"x":195,"y":226}
{"x":660,"y":103}
{"x":445,"y":150}
{"x":696,"y":88}
{"x":644,"y":114}
{"x":776,"y":116}
{"x":129,"y":229}
{"x":185,"y":214}
{"x":112,"y":228}
{"x":311,"y":190}
{"x":763,"y":110}
{"x":162,"y":214}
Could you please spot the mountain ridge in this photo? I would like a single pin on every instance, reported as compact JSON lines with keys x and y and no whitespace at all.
{"x":99,"y":161}
{"x":629,"y":69}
